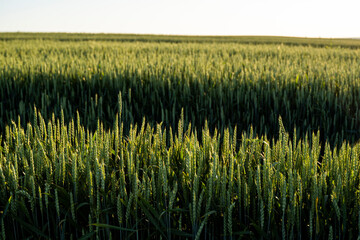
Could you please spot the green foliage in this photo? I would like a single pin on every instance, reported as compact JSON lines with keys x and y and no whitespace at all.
{"x":103,"y":154}
{"x":182,"y":189}
{"x":226,"y":83}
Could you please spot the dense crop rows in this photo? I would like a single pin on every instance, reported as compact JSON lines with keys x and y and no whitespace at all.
{"x":72,"y":166}
{"x":65,"y":182}
{"x":227,"y":84}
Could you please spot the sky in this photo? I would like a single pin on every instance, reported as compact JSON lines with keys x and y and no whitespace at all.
{"x":300,"y":18}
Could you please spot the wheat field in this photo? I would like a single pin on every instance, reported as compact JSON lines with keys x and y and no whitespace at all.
{"x":160,"y":137}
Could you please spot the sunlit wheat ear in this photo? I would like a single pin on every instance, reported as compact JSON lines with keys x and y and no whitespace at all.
{"x":173,"y":195}
{"x":129,"y":208}
{"x":262,"y":214}
{"x":74,"y":174}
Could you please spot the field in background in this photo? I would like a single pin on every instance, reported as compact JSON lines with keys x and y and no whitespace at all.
{"x":206,"y":131}
{"x":227,"y":84}
{"x":315,"y":42}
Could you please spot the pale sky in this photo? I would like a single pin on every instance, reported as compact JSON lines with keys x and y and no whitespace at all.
{"x":302,"y":18}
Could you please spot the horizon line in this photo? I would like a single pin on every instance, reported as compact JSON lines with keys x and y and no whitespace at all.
{"x":179,"y":35}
